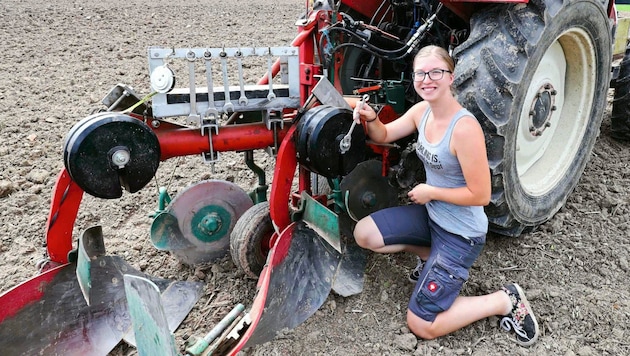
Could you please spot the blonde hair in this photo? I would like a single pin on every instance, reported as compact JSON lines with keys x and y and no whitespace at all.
{"x":438,"y":52}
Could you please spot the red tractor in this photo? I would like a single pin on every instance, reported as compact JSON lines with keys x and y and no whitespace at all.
{"x":535,"y":73}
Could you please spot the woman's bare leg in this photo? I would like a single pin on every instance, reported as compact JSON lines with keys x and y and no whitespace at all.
{"x":464,"y":311}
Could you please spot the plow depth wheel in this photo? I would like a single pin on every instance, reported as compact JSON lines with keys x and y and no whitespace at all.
{"x":250,"y":239}
{"x":536,"y":77}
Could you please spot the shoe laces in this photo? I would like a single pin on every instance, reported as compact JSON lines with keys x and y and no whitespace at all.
{"x":510,"y":323}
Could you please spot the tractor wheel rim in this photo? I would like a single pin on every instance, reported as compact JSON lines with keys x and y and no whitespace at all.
{"x":556,"y":112}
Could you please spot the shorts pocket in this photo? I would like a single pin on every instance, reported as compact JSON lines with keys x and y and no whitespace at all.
{"x":441,"y":285}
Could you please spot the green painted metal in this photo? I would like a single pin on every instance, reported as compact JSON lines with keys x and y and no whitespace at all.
{"x":91,"y":246}
{"x":395,"y":94}
{"x":165,"y":233}
{"x":163,"y":200}
{"x":150,"y":325}
{"x":83,"y":272}
{"x":211,"y":223}
{"x":259,"y":194}
{"x":321,"y":219}
{"x":337,"y":195}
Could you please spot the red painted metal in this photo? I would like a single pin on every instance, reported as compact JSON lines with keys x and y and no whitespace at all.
{"x":465,"y":9}
{"x":368,"y":89}
{"x":303,"y":33}
{"x":278,"y":252}
{"x":25,"y":293}
{"x":174,"y":141}
{"x":178,"y":141}
{"x":64,"y":206}
{"x":304,"y":180}
{"x":612,"y":12}
{"x":306,"y":52}
{"x":286,"y":163}
{"x":369,"y":9}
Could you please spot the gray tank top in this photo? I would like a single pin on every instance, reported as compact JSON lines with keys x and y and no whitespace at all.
{"x":443,"y":170}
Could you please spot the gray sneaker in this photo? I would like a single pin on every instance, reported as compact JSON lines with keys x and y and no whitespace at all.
{"x":521,"y":319}
{"x":415,"y":274}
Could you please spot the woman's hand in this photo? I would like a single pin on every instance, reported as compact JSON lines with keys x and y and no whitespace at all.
{"x":366,"y":113}
{"x":420,"y":194}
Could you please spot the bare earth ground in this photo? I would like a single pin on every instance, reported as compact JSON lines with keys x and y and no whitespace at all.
{"x":60,"y":58}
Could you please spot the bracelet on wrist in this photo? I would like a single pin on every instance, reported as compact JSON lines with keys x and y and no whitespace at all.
{"x":372,"y":119}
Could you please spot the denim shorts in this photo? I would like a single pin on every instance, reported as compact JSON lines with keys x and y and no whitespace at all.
{"x":451,"y":257}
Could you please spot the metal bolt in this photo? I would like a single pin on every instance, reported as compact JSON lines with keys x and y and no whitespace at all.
{"x":211,"y":223}
{"x":368,"y":199}
{"x":120,"y":158}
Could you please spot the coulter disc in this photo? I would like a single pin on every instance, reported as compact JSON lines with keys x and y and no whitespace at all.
{"x":200,"y":221}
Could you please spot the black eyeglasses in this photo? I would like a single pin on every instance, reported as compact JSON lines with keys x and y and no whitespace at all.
{"x":434,"y":74}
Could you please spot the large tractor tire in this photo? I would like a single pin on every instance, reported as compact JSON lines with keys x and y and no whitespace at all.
{"x":620,"y":116}
{"x":536,"y":76}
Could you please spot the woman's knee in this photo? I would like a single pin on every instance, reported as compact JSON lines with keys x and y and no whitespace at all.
{"x":366,"y":234}
{"x":421,"y":328}
{"x":362,"y":237}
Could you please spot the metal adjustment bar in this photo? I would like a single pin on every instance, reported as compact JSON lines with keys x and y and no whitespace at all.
{"x":122,"y":97}
{"x":228,"y":106}
{"x":273,"y":121}
{"x":115,"y":96}
{"x":271,"y":95}
{"x":211,"y":157}
{"x":212,"y":114}
{"x":273,"y":117}
{"x":283,"y":92}
{"x":242,"y":100}
{"x":209,"y":121}
{"x":193,"y":116}
{"x":284,"y":71}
